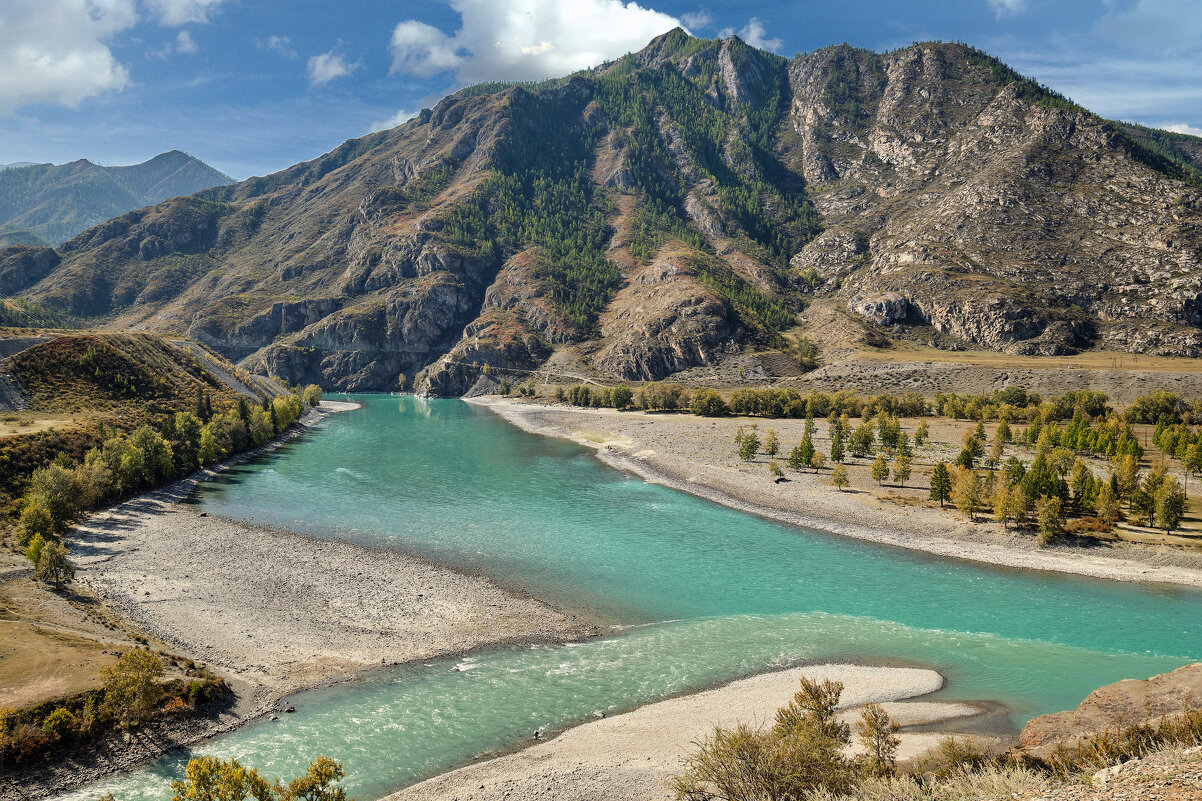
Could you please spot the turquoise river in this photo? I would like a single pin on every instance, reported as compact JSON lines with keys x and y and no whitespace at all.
{"x":698,"y":594}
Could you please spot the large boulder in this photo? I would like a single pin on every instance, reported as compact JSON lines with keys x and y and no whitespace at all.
{"x":882,"y":308}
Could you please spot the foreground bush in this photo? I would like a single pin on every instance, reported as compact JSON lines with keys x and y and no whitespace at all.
{"x":213,"y":779}
{"x":800,"y":755}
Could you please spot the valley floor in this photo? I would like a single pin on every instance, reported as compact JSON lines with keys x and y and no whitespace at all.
{"x":697,"y":455}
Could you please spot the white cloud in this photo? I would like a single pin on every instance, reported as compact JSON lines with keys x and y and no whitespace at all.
{"x":1008,"y":8}
{"x":277,"y":44}
{"x":423,"y":50}
{"x":184,"y":43}
{"x":753,"y":33}
{"x":393,"y":121}
{"x":697,"y":19}
{"x":56,"y":51}
{"x":326,"y":67}
{"x":1183,"y":128}
{"x":174,"y":13}
{"x":525,"y":39}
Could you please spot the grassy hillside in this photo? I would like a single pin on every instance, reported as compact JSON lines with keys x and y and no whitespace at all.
{"x":81,"y":388}
{"x":124,"y":376}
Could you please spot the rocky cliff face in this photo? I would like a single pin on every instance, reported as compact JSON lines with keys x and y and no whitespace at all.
{"x":1001,"y":214}
{"x":663,"y":211}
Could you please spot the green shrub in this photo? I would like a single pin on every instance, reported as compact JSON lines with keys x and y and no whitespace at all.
{"x":35,"y":522}
{"x":59,"y":723}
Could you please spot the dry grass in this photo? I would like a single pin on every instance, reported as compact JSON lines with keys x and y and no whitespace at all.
{"x":987,"y":783}
{"x":1089,"y":360}
{"x":38,"y":663}
{"x":16,"y":423}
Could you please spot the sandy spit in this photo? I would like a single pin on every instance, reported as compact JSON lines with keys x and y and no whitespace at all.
{"x":633,"y":755}
{"x":695,"y":455}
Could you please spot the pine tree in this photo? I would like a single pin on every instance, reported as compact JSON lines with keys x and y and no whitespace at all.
{"x":807,"y":447}
{"x":967,"y":492}
{"x":1170,"y":504}
{"x":901,"y":467}
{"x":839,"y":476}
{"x":837,"y":447}
{"x":941,"y":484}
{"x":1107,"y":505}
{"x":921,"y":434}
{"x":749,"y":447}
{"x":801,"y":455}
{"x":997,"y":452}
{"x":1051,"y":518}
{"x":880,"y":469}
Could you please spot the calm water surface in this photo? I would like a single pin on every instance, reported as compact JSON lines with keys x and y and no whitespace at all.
{"x":700,"y":594}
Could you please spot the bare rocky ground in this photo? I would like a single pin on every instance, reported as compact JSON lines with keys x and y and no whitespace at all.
{"x":1171,"y":775}
{"x":697,"y":455}
{"x":1122,"y":703}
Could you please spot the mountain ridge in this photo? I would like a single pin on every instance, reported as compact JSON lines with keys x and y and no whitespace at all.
{"x":54,"y":202}
{"x":665,"y":211}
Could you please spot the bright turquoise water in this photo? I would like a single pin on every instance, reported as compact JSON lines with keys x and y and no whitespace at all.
{"x":708,"y":594}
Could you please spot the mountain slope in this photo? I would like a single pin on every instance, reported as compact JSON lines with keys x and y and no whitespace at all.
{"x":666,"y":210}
{"x":54,"y":203}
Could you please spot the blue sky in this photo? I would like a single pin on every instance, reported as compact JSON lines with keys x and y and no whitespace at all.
{"x":253,"y":86}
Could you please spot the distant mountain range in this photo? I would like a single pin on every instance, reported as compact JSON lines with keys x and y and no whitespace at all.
{"x":47,"y":204}
{"x":680,"y":207}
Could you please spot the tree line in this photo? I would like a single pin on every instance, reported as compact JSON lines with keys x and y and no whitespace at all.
{"x":149,"y":456}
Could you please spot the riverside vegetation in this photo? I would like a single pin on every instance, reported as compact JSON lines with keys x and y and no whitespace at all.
{"x":1079,"y":477}
{"x":801,"y":756}
{"x":144,"y":413}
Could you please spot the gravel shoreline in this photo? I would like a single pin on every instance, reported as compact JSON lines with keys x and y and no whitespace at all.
{"x":633,"y":755}
{"x":695,"y":455}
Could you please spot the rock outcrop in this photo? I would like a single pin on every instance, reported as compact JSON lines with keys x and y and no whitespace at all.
{"x":1123,"y":703}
